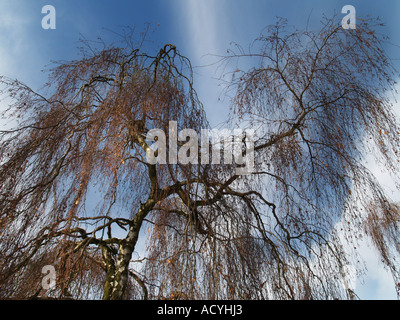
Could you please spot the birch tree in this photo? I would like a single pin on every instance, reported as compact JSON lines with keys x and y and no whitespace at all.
{"x":78,"y":192}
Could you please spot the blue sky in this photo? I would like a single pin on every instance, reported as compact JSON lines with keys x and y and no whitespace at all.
{"x":198,"y":28}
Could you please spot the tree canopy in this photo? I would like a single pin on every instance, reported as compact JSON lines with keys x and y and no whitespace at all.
{"x":78,"y":192}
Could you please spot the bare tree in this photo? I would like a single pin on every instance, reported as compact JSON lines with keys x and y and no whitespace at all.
{"x":89,"y":137}
{"x":322,"y":103}
{"x":77,"y":190}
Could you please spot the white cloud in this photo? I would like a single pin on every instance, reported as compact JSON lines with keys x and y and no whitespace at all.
{"x":205,"y":27}
{"x":377,"y":282}
{"x":16,"y":54}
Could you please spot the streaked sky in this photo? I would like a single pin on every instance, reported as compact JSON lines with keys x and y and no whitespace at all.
{"x":200,"y":29}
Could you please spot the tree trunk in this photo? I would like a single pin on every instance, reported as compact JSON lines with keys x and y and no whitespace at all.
{"x":121,"y":272}
{"x":117,"y":279}
{"x":117,"y":274}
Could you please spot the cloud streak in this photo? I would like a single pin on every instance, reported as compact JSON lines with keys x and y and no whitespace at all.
{"x":205,"y":29}
{"x":205,"y":26}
